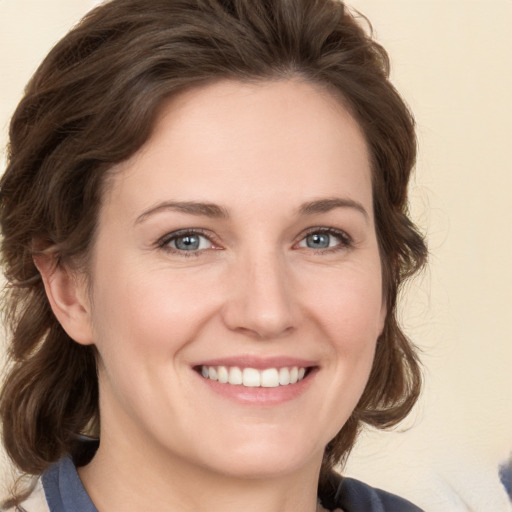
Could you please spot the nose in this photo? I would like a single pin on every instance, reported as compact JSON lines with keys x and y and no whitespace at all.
{"x":260,"y":302}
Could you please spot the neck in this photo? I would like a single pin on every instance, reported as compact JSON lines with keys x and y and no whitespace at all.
{"x":123,"y":478}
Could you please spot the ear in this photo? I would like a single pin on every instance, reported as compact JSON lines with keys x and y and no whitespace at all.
{"x":68,"y":296}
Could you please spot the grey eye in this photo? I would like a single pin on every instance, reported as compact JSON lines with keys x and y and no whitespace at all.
{"x":326,"y":239}
{"x":189,"y":242}
{"x":185,"y":241}
{"x":318,"y":241}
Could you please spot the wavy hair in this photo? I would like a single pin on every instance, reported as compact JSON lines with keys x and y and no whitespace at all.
{"x":93,"y":102}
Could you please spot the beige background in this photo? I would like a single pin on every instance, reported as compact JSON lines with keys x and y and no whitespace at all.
{"x":452,"y":60}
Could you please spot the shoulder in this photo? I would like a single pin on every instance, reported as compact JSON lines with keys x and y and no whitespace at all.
{"x":355,"y":496}
{"x":36,"y":501}
{"x":351,"y":495}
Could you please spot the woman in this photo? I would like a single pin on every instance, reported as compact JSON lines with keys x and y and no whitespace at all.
{"x":205,"y":230}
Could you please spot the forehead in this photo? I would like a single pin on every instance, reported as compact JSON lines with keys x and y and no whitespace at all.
{"x":234,"y":142}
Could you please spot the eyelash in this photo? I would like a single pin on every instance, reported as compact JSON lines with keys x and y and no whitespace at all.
{"x":345,"y":241}
{"x":163,"y":243}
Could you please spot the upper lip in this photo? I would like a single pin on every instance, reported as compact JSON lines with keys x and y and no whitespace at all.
{"x":258,"y":363}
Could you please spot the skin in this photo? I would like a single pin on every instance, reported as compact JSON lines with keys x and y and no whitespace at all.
{"x":253,"y":288}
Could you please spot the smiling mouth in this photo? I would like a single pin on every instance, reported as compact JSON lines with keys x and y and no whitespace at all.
{"x":254,"y":378}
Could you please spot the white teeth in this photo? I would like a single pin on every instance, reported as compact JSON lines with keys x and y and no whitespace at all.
{"x":284,"y":376}
{"x":222,"y":374}
{"x":253,"y":378}
{"x":270,"y":378}
{"x":235,"y":376}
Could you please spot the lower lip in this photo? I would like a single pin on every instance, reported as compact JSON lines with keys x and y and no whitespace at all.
{"x":259,"y":395}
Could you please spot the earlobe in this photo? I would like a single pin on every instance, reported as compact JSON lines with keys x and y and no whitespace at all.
{"x":67,"y":294}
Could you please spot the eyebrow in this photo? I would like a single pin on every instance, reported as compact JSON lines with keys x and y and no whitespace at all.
{"x":213,"y":210}
{"x":190,"y":207}
{"x":326,"y":205}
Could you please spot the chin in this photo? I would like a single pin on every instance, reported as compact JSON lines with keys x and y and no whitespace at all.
{"x":263,"y":467}
{"x":270,"y":458}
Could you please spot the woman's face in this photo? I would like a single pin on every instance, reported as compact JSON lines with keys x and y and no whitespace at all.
{"x":238,"y":244}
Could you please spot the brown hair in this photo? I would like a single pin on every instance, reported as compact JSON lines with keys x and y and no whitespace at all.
{"x":92,"y":103}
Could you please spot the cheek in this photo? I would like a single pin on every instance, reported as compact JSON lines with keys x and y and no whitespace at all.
{"x":151,"y":313}
{"x":349,"y":305}
{"x":141,"y":326}
{"x":349,"y":310}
